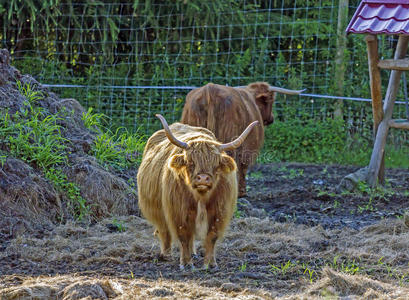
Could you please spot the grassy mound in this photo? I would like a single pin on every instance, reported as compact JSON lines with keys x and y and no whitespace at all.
{"x":59,"y":162}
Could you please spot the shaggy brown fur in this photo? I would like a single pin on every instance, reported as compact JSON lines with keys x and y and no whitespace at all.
{"x":175,"y":202}
{"x":226,"y":111}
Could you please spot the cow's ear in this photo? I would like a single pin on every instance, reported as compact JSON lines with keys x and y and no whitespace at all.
{"x":227,"y":164}
{"x":177,"y":161}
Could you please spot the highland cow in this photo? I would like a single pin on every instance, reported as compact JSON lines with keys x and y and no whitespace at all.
{"x":187,"y":187}
{"x":226,"y":111}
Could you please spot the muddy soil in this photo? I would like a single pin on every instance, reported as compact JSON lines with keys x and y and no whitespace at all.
{"x":310,"y":195}
{"x":294,"y":236}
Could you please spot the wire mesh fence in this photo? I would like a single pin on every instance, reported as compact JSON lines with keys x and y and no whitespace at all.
{"x":132,"y":59}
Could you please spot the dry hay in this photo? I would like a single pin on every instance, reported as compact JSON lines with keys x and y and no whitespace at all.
{"x":332,"y":285}
{"x":26,"y":199}
{"x":81,"y":287}
{"x":110,"y":194}
{"x":74,"y":244}
{"x":262,"y":236}
{"x":60,"y":287}
{"x":96,"y":247}
{"x":337,"y":285}
{"x":387,"y":240}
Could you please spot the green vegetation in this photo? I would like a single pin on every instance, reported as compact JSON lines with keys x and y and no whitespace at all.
{"x":119,"y":149}
{"x":128,"y":47}
{"x":347,"y":266}
{"x":312,"y":268}
{"x":312,"y":274}
{"x":119,"y":225}
{"x":283,"y":268}
{"x":237,"y":213}
{"x":243,"y":267}
{"x":77,"y":204}
{"x":324,"y":141}
{"x":256,"y":175}
{"x":291,"y":173}
{"x":35,"y":136}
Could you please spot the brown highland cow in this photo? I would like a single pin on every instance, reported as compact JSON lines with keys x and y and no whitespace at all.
{"x":226,"y":111}
{"x":187,"y":187}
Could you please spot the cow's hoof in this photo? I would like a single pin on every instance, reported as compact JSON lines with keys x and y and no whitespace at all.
{"x":187,"y":267}
{"x":213,"y":267}
{"x":242,"y":194}
{"x":161,"y":257}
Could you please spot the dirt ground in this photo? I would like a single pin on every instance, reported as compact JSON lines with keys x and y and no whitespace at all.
{"x":295,"y":236}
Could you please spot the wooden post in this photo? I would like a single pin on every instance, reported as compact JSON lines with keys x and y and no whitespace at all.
{"x":382,"y":133}
{"x":376,"y":90}
{"x":340,"y":55}
{"x":375,"y":80}
{"x":394,"y":64}
{"x":400,"y":124}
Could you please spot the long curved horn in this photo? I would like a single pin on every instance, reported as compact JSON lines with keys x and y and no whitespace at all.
{"x":237,"y":142}
{"x":285,"y":91}
{"x":169,"y":133}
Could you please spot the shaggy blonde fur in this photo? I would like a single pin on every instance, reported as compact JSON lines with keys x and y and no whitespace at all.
{"x":167,"y":196}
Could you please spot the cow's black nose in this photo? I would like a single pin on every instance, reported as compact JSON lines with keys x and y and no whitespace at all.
{"x":203,"y":179}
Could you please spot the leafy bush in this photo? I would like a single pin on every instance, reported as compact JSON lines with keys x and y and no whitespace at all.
{"x":304,"y":140}
{"x":324,"y":141}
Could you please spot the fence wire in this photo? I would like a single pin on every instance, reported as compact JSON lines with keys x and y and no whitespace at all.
{"x":95,"y":51}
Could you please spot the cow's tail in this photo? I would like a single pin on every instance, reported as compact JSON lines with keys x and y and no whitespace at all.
{"x":211,"y":111}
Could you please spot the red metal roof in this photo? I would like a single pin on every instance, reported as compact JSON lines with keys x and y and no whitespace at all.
{"x":381,"y":16}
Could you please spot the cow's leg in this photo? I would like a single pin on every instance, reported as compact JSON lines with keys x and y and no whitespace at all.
{"x":186,"y":246}
{"x":241,"y":174}
{"x":209,"y":245}
{"x":215,"y":230}
{"x":192,"y":246}
{"x":185,"y":227}
{"x":165,"y":241}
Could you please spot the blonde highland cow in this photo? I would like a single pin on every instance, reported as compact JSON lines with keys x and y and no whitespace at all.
{"x":187,"y":188}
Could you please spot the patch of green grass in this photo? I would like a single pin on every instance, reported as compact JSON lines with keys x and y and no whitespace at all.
{"x":243,"y":267}
{"x":302,"y":139}
{"x":31,"y":134}
{"x":373,"y":194}
{"x":119,"y":225}
{"x":311,"y":273}
{"x":325,"y":193}
{"x":119,"y":149}
{"x":346,"y":265}
{"x":237,"y":213}
{"x":256,"y":175}
{"x":292,"y":173}
{"x":77,"y":204}
{"x":283,"y":268}
{"x":93,"y":121}
{"x":34,"y":136}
